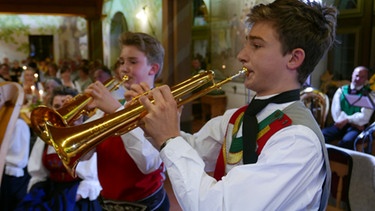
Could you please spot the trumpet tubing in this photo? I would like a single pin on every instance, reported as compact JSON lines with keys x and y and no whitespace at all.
{"x":66,"y":115}
{"x":71,"y":143}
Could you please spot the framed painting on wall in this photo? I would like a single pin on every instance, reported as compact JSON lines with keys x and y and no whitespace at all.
{"x":344,"y":56}
{"x":349,"y":7}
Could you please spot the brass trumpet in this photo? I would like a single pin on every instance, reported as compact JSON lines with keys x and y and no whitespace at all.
{"x":66,"y":115}
{"x":71,"y":143}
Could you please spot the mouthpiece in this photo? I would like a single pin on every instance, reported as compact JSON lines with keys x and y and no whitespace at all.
{"x":243,"y":70}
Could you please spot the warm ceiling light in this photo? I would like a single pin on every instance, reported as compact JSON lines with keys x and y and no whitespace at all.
{"x":142,"y":14}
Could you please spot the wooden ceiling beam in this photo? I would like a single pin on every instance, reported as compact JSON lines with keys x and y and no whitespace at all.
{"x":83,"y":8}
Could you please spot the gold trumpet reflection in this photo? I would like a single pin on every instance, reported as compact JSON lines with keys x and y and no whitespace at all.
{"x":68,"y":114}
{"x":73,"y":142}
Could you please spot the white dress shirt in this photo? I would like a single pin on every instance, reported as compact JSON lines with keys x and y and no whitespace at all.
{"x":288,"y":175}
{"x":18,"y":152}
{"x":358,"y":118}
{"x":145,"y":156}
{"x":89,"y":187}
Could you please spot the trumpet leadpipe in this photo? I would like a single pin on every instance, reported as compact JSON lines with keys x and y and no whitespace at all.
{"x":71,"y":143}
{"x":66,"y":115}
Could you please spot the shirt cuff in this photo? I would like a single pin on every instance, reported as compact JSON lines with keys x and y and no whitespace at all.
{"x":14,"y":171}
{"x":176,"y":148}
{"x":89,"y":189}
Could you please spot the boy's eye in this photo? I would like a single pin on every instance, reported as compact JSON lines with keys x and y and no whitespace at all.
{"x":121,"y":61}
{"x":127,"y":61}
{"x":256,"y":45}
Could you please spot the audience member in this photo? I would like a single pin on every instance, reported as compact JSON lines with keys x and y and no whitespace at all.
{"x":287,"y":168}
{"x":102,"y":74}
{"x":31,"y":86}
{"x":66,"y":76}
{"x":39,"y":74}
{"x":6,"y":61}
{"x":16,"y":71}
{"x":49,"y":85}
{"x":93,"y":66}
{"x":198,"y":64}
{"x":349,"y":120}
{"x":52,"y":71}
{"x":51,"y":187}
{"x":43,"y":66}
{"x":72,"y":65}
{"x":130,"y":169}
{"x":84,"y":79}
{"x":4,"y":73}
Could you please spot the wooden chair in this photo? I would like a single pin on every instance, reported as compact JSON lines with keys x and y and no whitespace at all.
{"x":328,"y":83}
{"x":364,"y":141}
{"x":213,"y":105}
{"x":317,"y":102}
{"x":341,"y":167}
{"x":11,"y":99}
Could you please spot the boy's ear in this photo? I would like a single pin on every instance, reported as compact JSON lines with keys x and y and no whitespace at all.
{"x":154,"y":69}
{"x":297,"y":58}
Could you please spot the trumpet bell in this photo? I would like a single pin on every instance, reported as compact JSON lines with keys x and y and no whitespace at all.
{"x":42,"y":114}
{"x":66,"y":115}
{"x":73,"y":142}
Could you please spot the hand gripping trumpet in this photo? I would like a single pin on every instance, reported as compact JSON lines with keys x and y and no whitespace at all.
{"x":66,"y":115}
{"x":71,"y":143}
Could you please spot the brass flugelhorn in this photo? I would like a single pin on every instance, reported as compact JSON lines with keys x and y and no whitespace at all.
{"x":69,"y":113}
{"x":71,"y":143}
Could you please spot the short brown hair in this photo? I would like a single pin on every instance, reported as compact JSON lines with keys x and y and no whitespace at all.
{"x":310,"y":26}
{"x":149,"y":45}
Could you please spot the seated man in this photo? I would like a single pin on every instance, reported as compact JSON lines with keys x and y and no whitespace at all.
{"x":349,"y":120}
